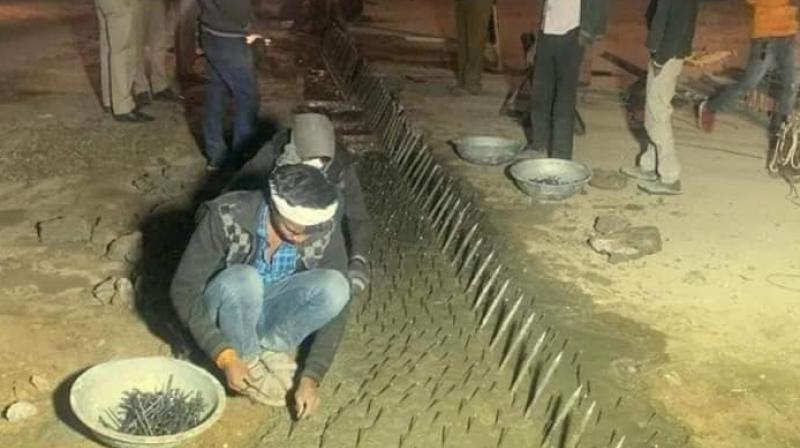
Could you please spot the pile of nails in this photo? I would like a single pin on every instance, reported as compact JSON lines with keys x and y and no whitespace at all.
{"x":159,"y":413}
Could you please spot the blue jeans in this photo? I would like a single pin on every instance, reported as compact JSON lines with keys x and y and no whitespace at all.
{"x":230,"y":73}
{"x":277,"y":317}
{"x":764,"y":53}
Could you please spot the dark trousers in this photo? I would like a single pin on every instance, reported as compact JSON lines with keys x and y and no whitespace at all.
{"x":764,"y":53}
{"x":554,"y":90}
{"x":472,"y":28}
{"x":230,"y":74}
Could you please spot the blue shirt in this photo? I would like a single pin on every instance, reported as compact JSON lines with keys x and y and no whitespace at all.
{"x":284,"y":260}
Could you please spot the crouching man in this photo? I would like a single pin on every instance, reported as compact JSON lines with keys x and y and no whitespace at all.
{"x":263,"y":271}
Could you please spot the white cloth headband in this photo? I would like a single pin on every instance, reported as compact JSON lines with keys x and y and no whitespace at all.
{"x":303,"y":216}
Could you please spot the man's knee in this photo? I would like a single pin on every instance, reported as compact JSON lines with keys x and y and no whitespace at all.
{"x":334,"y":289}
{"x":238,"y":282}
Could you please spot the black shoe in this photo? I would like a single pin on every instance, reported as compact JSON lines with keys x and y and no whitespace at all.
{"x":167,"y":95}
{"x":133,"y":116}
{"x":142,"y":99}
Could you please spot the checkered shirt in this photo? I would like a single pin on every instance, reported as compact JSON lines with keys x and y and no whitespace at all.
{"x":284,"y":260}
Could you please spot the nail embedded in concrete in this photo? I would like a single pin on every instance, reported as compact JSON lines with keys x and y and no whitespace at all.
{"x":506,"y":322}
{"x":474,"y":282}
{"x":545,"y":380}
{"x":487,"y":287}
{"x":494,"y":304}
{"x":518,"y":339}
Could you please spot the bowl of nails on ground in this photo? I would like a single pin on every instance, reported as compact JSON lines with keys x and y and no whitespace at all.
{"x":550,"y":179}
{"x":487,"y":150}
{"x":146,"y":402}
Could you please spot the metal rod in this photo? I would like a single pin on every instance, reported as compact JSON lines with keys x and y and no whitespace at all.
{"x":506,"y":322}
{"x":545,"y":380}
{"x":464,"y":243}
{"x":528,"y":362}
{"x":576,"y":438}
{"x":518,"y":340}
{"x":486,"y":287}
{"x":494,"y":304}
{"x":470,"y":255}
{"x":479,"y":272}
{"x":455,"y":227}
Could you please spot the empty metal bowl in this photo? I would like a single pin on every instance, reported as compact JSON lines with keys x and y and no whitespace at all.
{"x":486,"y":150}
{"x":550,"y":179}
{"x":102,"y":387}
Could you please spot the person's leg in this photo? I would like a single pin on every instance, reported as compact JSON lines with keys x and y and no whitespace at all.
{"x":759,"y":61}
{"x":235,"y":299}
{"x":216,"y":96}
{"x":784,"y":57}
{"x":567,"y":71}
{"x":461,"y":41}
{"x":542,"y":85}
{"x":243,"y":81}
{"x":186,"y":37}
{"x":300,"y":305}
{"x":105,"y":56}
{"x":478,"y":13}
{"x":658,"y":122}
{"x":141,"y":29}
{"x":119,"y":19}
{"x":158,"y":33}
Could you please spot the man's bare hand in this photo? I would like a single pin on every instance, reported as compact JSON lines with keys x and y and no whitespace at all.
{"x":236,"y":374}
{"x":306,"y":398}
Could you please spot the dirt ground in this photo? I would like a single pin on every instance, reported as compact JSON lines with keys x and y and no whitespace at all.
{"x":711,"y":317}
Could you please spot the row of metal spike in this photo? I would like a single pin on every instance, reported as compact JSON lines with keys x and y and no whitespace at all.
{"x":455,"y":221}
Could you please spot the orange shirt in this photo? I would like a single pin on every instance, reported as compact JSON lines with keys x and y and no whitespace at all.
{"x":773,"y":18}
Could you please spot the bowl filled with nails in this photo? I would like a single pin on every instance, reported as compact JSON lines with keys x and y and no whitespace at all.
{"x":146,"y":402}
{"x":550,"y":180}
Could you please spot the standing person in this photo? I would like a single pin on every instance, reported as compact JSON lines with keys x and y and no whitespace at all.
{"x":186,"y":37}
{"x":118,"y":55}
{"x":225,"y":35}
{"x":554,"y":83}
{"x":594,"y":17}
{"x":312,"y":141}
{"x":152,"y":82}
{"x":263,"y":271}
{"x":671,"y":25}
{"x":472,"y":29}
{"x":771,"y":44}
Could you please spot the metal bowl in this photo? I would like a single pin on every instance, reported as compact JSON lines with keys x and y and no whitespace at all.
{"x":102,"y":387}
{"x":550,"y":179}
{"x":486,"y":150}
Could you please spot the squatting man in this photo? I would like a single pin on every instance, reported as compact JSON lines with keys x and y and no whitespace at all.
{"x":263,"y":271}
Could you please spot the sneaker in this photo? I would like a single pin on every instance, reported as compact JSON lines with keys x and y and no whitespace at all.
{"x":263,"y":386}
{"x":282,"y":365}
{"x":662,"y":188}
{"x":705,"y":117}
{"x":637,"y":172}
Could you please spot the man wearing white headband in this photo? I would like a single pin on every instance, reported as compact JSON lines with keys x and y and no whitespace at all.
{"x":312,"y":140}
{"x":263,"y":271}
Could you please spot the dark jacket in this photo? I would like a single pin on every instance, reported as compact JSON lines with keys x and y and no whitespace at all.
{"x":594,"y":16}
{"x":222,"y":17}
{"x":341,"y":172}
{"x":671,"y":25}
{"x":224,"y":236}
